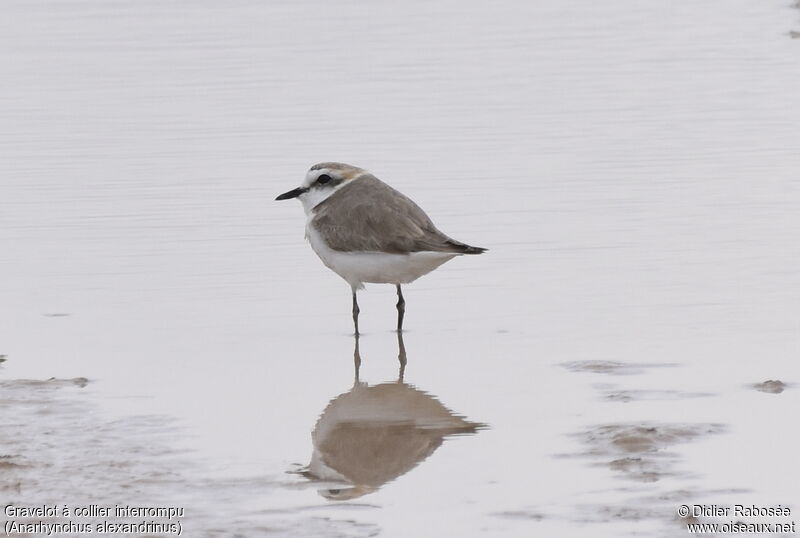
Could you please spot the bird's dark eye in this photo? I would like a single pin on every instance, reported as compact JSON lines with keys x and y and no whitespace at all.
{"x":323,"y":179}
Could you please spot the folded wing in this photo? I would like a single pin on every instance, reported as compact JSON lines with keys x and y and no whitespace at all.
{"x":369,"y":215}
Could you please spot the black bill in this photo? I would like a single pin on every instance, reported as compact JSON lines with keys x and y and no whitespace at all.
{"x":294,"y":193}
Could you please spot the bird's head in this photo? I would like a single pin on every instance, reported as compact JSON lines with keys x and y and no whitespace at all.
{"x":321,"y":181}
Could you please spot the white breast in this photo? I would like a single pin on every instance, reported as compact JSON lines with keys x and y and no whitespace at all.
{"x":374,"y":267}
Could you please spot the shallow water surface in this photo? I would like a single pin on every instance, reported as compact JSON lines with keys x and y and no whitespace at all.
{"x":628,"y":344}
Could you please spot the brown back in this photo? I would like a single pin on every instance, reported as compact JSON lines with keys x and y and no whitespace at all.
{"x":369,"y":215}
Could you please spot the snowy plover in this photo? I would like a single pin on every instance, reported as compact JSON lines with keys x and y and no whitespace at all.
{"x":366,"y":231}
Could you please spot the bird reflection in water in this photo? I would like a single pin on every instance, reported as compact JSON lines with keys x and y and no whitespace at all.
{"x":372,"y":435}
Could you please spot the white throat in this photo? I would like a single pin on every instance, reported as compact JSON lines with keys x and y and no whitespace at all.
{"x":313,"y":197}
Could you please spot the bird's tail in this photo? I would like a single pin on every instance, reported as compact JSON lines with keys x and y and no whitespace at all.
{"x":463,"y":248}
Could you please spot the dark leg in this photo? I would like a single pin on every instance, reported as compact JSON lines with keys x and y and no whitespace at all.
{"x":356,"y":360}
{"x":401,"y":309}
{"x":355,"y":312}
{"x":401,"y":356}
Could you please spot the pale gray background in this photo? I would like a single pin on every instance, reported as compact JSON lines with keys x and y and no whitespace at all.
{"x":631,"y":165}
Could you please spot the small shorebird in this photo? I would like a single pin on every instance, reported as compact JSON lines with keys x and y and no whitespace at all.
{"x":366,"y":231}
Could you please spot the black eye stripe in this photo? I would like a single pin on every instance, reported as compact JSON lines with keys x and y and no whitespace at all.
{"x":323,"y":179}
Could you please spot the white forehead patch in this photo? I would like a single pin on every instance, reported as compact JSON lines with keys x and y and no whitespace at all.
{"x":314,"y":196}
{"x":312,"y":175}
